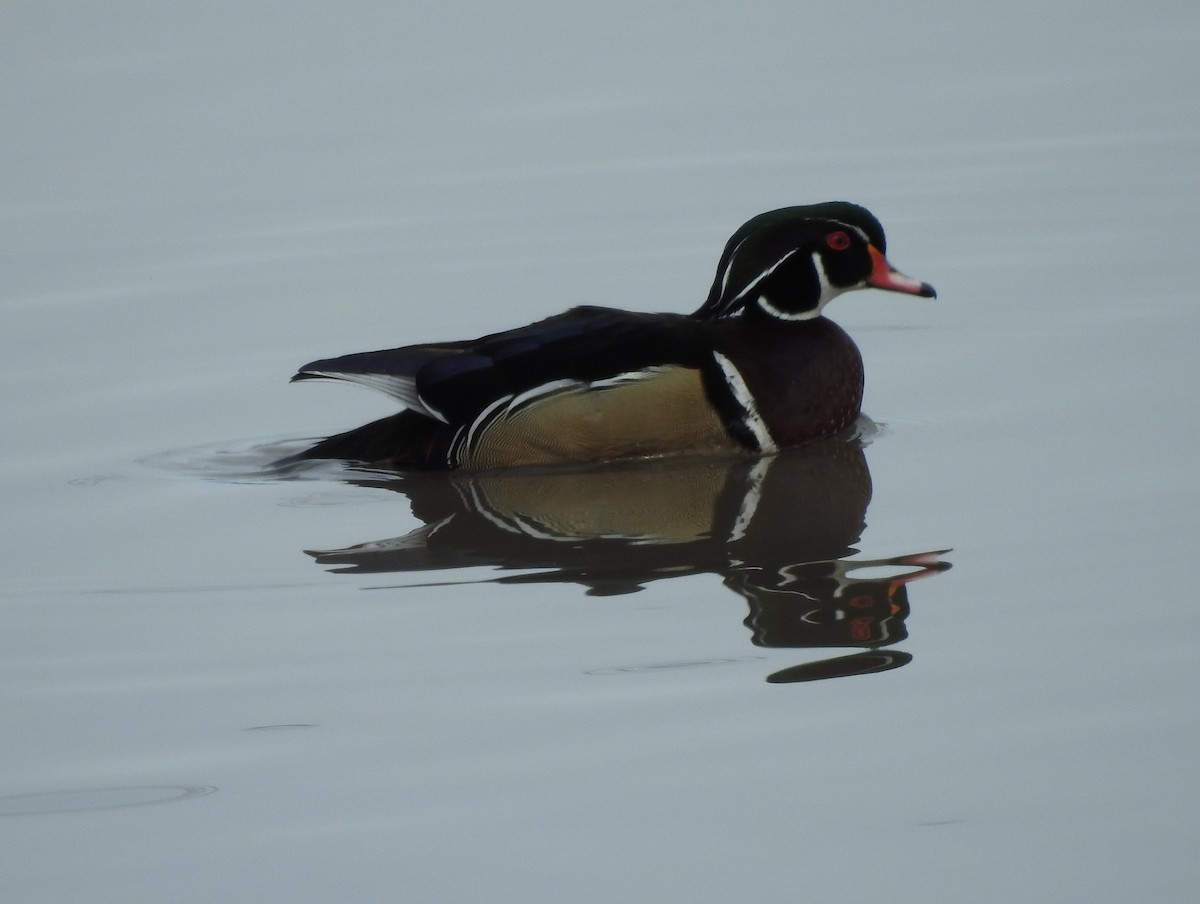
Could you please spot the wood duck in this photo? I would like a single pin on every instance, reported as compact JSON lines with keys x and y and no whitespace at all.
{"x":755,"y":369}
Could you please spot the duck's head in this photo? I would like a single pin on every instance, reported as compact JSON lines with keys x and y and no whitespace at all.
{"x":789,"y":263}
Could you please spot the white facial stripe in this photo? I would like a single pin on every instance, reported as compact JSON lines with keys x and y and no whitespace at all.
{"x":754,"y":282}
{"x":822,"y":276}
{"x":729,"y":266}
{"x":828,"y":292}
{"x":741,"y":393}
{"x":861,"y":234}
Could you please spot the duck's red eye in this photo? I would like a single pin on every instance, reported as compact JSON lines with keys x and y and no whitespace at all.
{"x":838,"y":241}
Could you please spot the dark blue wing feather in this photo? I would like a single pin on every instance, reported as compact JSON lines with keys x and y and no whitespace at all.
{"x":455,"y":381}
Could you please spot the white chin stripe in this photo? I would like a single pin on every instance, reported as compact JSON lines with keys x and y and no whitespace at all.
{"x":741,"y":393}
{"x":767,"y":308}
{"x":828,"y":293}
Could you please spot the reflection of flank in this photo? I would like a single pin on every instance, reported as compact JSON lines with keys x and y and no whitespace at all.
{"x":777,"y":530}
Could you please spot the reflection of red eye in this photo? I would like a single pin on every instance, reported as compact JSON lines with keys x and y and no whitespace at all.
{"x":838,"y":241}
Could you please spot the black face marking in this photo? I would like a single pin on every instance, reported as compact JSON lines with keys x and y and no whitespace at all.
{"x":557,"y":390}
{"x":770,"y":261}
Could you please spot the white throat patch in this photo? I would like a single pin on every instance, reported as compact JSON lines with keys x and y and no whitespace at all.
{"x":828,"y":293}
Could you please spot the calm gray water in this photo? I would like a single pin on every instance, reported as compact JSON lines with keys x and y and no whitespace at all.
{"x":220,"y":685}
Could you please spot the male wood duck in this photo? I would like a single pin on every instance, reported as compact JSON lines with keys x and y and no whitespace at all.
{"x":755,"y":369}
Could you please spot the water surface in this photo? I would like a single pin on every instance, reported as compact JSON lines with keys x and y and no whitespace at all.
{"x":222,"y":684}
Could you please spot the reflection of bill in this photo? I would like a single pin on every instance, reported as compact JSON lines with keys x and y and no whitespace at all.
{"x":777,"y":530}
{"x":842,"y":603}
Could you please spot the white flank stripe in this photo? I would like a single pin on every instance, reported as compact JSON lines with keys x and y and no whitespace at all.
{"x":506,"y":406}
{"x":537,"y":392}
{"x":482,"y":420}
{"x":630,"y":376}
{"x":453,"y":458}
{"x":754,"y":421}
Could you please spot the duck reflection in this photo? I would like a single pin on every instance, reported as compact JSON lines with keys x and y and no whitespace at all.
{"x":778,"y":531}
